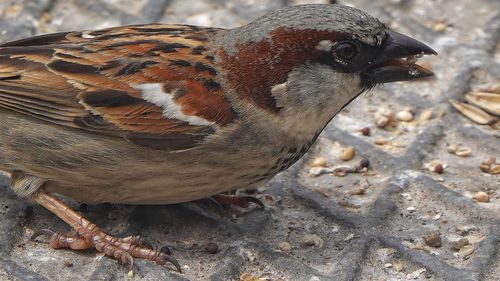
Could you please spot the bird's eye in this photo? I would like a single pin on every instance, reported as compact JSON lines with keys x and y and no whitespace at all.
{"x":345,"y":51}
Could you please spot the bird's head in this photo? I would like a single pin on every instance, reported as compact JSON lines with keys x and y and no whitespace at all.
{"x":305,"y":63}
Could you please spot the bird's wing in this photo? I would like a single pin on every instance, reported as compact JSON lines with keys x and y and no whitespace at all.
{"x":154,"y":85}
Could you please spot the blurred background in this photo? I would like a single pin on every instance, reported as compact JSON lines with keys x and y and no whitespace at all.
{"x":425,"y":209}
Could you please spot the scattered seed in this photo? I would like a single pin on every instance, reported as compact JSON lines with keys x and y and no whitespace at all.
{"x":382,"y":121}
{"x":473,"y":113}
{"x":381,"y":141}
{"x":358,"y":191}
{"x":438,"y":169}
{"x":495,"y":169}
{"x":485,"y":167}
{"x":433,"y":240}
{"x":319,"y":162}
{"x":384,"y":118}
{"x":415,"y":274}
{"x":348,"y":153}
{"x":466,"y":250}
{"x":459,"y":244}
{"x":440,"y":26}
{"x":463,"y":152}
{"x":349,"y":237}
{"x":212,"y":248}
{"x":482,"y":197}
{"x":489,"y":102}
{"x":322,"y":191}
{"x":67,"y":263}
{"x":405,"y":116}
{"x":398,"y":266}
{"x":452,"y":148}
{"x":425,"y":116}
{"x":365,"y":131}
{"x":249,"y":277}
{"x":475,"y":238}
{"x":130,"y":274}
{"x":285,"y":246}
{"x":312,"y":240}
{"x":316,"y":171}
{"x":431,"y":165}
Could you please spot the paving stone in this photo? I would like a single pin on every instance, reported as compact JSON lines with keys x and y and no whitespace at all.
{"x":372,"y":224}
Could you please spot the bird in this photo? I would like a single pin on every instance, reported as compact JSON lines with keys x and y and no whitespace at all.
{"x":170,"y":113}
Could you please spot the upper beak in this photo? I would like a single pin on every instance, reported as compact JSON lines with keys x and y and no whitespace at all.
{"x":390,"y":65}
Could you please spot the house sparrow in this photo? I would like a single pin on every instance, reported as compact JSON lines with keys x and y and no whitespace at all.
{"x":160,"y":114}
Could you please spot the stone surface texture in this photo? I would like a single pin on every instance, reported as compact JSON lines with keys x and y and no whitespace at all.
{"x":363,"y":226}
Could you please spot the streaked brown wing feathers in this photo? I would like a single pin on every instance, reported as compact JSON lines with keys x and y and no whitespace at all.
{"x":86,"y":80}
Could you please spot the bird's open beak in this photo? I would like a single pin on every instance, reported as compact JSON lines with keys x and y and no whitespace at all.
{"x":397,"y":60}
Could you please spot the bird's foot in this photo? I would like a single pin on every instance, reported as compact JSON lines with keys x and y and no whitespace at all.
{"x":90,"y":236}
{"x":237,"y":200}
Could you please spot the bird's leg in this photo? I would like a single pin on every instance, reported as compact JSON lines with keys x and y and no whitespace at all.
{"x":241,"y":201}
{"x":90,"y":236}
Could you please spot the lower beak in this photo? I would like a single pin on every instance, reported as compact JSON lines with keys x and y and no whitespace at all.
{"x":396,"y":62}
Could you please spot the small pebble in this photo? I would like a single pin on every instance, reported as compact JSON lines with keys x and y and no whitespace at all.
{"x":348,"y":153}
{"x":438,"y":169}
{"x":459,"y":244}
{"x":404,"y":116}
{"x":388,"y":265}
{"x":482,"y":197}
{"x":212,"y":248}
{"x":433,"y":240}
{"x":312,"y":240}
{"x":365,"y":131}
{"x":130,"y":274}
{"x":364,"y":163}
{"x":319,"y":162}
{"x":411,"y":209}
{"x":285,"y":247}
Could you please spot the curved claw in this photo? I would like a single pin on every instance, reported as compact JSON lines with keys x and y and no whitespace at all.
{"x":163,"y":258}
{"x":128,"y":259}
{"x":254,"y":200}
{"x":166,"y":250}
{"x":42,"y":232}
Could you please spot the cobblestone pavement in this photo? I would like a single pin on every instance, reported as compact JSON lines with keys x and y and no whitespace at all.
{"x":364,"y":226}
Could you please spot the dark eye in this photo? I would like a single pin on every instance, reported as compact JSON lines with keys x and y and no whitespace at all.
{"x":345,"y":51}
